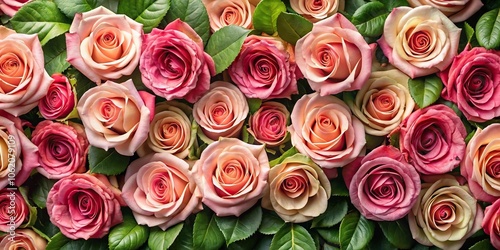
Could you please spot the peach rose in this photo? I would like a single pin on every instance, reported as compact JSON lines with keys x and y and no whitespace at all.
{"x":268,"y":124}
{"x":491,"y":223}
{"x":23,"y":79}
{"x":232,"y":175}
{"x":457,"y":11}
{"x":419,"y":41}
{"x":15,"y":210}
{"x":298,"y":190}
{"x":317,"y":10}
{"x":115,"y":116}
{"x":226,"y":12}
{"x":26,"y":239}
{"x":60,"y":100}
{"x":103,"y":45}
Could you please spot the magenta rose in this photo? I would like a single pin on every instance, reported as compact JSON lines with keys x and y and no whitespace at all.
{"x":433,"y":139}
{"x":25,"y":239}
{"x":265,"y":68}
{"x":10,"y":7}
{"x":473,"y":82}
{"x":268,"y":124}
{"x":491,"y":223}
{"x":60,"y":100}
{"x":382,"y":185}
{"x":12,"y":205}
{"x":173,"y":63}
{"x":84,"y":206}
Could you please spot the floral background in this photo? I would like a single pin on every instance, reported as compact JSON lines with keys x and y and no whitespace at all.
{"x":246,"y":124}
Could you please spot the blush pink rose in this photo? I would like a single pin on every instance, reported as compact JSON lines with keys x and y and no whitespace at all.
{"x":317,"y":10}
{"x":84,"y":206}
{"x":161,"y":190}
{"x":60,"y":100}
{"x":10,"y":7}
{"x":222,"y":13}
{"x":12,"y":205}
{"x":116,"y":116}
{"x":457,"y":11}
{"x":268,"y":124}
{"x":25,"y":239}
{"x":334,"y":56}
{"x":232,"y":175}
{"x":382,"y":185}
{"x":491,"y":223}
{"x":23,"y":79}
{"x":103,"y":45}
{"x":473,"y":82}
{"x":173,"y":63}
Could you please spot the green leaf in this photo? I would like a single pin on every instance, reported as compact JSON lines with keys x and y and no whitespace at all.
{"x":292,"y":151}
{"x":397,"y":232}
{"x":292,"y":27}
{"x":352,"y":5}
{"x":148,"y":12}
{"x":380,"y":242}
{"x":335,"y":212}
{"x":425,"y":91}
{"x":246,"y":244}
{"x":292,"y":236}
{"x":194,"y":13}
{"x":265,"y":15}
{"x":40,"y":191}
{"x":184,"y":240}
{"x":254,"y":104}
{"x":391,"y":4}
{"x":106,"y":162}
{"x":71,"y":7}
{"x":239,"y":228}
{"x":206,"y":234}
{"x":42,"y":18}
{"x":329,"y":247}
{"x":44,"y":225}
{"x":82,"y":83}
{"x":61,"y":242}
{"x":264,"y":243}
{"x":469,"y":32}
{"x":128,"y":235}
{"x":482,"y":245}
{"x":330,"y":235}
{"x":491,"y":4}
{"x":394,"y":139}
{"x":271,"y":223}
{"x":338,"y":187}
{"x":54,"y":53}
{"x":159,"y":239}
{"x":225,"y":45}
{"x":355,"y":231}
{"x":488,"y":29}
{"x":369,"y":19}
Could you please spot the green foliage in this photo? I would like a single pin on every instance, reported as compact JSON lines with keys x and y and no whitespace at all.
{"x":148,"y":12}
{"x":271,"y":223}
{"x":194,"y":13}
{"x":206,"y":233}
{"x":369,"y":19}
{"x":160,"y":240}
{"x":54,"y":53}
{"x":425,"y":90}
{"x":225,"y":44}
{"x":71,"y":7}
{"x":335,"y":212}
{"x":61,"y":242}
{"x":292,"y":27}
{"x":292,"y":236}
{"x":265,"y":15}
{"x":38,"y":194}
{"x":355,"y":231}
{"x":128,"y":235}
{"x":397,"y":232}
{"x":488,"y":29}
{"x":239,"y":228}
{"x":106,"y":162}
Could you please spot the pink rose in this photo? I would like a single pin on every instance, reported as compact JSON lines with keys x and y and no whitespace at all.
{"x":60,"y":99}
{"x":382,"y":185}
{"x":23,"y":79}
{"x":15,"y":210}
{"x":432,"y":139}
{"x":230,"y":12}
{"x":10,"y":7}
{"x":161,"y":190}
{"x":491,"y":223}
{"x":221,"y":112}
{"x":25,"y":239}
{"x":84,"y":206}
{"x":324,"y":129}
{"x":457,"y":11}
{"x":232,"y":175}
{"x":268,"y":124}
{"x":419,"y":41}
{"x":103,"y":45}
{"x":173,"y":63}
{"x":265,"y":68}
{"x":334,"y":56}
{"x":317,"y":10}
{"x":473,"y":82}
{"x":115,"y":116}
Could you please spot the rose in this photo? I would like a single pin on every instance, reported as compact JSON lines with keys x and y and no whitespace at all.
{"x":221,"y":112}
{"x":432,"y":139}
{"x":445,"y":214}
{"x":15,"y":210}
{"x":232,"y":175}
{"x":317,"y":10}
{"x":457,"y":11}
{"x":10,"y":7}
{"x":382,"y":185}
{"x":298,"y":190}
{"x":419,"y":41}
{"x":170,"y":130}
{"x":25,"y":239}
{"x":473,"y":82}
{"x":268,"y":124}
{"x":161,"y":191}
{"x":229,"y":12}
{"x":62,"y":148}
{"x":115,"y":116}
{"x":84,"y":206}
{"x":173,"y":64}
{"x":383,"y":102}
{"x":103,"y":45}
{"x":491,"y":223}
{"x":324,"y":129}
{"x":23,"y":79}
{"x":60,"y":99}
{"x":333,"y":56}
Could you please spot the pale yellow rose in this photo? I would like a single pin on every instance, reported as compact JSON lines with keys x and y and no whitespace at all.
{"x":25,"y":239}
{"x":315,"y":10}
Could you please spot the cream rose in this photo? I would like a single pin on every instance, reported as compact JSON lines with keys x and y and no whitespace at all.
{"x":317,"y":10}
{"x":457,"y":11}
{"x":26,"y":239}
{"x":222,"y":13}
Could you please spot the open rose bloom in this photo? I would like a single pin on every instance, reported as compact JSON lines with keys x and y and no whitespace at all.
{"x":222,"y":13}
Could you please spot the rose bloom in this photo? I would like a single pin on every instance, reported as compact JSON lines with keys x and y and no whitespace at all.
{"x":161,"y":190}
{"x":491,"y":223}
{"x":268,"y":124}
{"x":103,"y":45}
{"x":60,"y":99}
{"x":432,"y":139}
{"x":382,"y":185}
{"x":324,"y":129}
{"x":334,"y":57}
{"x":457,"y":11}
{"x":84,"y":206}
{"x":12,"y":205}
{"x":298,"y":190}
{"x":221,"y":112}
{"x":419,"y":41}
{"x":115,"y":116}
{"x":317,"y":10}
{"x":26,"y":239}
{"x":222,"y":13}
{"x":23,"y":79}
{"x":170,"y":130}
{"x":173,"y":63}
{"x":62,"y":148}
{"x":473,"y":83}
{"x":10,"y":7}
{"x":232,"y":175}
{"x":445,"y":214}
{"x":383,"y":102}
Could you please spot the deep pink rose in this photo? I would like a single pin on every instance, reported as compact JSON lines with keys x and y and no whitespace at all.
{"x":382,"y":185}
{"x":268,"y":124}
{"x":60,"y":99}
{"x":491,"y":223}
{"x":10,"y":7}
{"x":265,"y":68}
{"x":457,"y":11}
{"x":12,"y":205}
{"x":173,"y":63}
{"x":84,"y":206}
{"x":25,"y":239}
{"x":473,"y":83}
